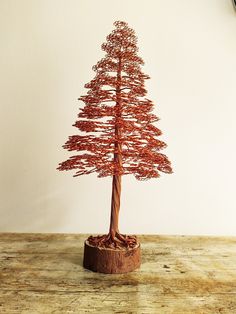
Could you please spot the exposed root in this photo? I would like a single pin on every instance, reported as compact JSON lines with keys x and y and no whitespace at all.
{"x":117,"y":241}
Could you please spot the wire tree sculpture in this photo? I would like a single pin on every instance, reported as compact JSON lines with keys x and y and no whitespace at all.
{"x":120,"y":137}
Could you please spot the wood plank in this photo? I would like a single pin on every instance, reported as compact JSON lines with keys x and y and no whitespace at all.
{"x":43,"y":273}
{"x":136,"y":302}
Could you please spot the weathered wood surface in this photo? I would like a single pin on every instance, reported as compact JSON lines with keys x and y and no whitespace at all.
{"x":43,"y":273}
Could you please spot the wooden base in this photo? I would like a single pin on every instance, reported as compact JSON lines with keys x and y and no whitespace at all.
{"x":111,"y":261}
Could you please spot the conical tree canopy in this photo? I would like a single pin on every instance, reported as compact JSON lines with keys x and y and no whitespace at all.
{"x":117,"y":123}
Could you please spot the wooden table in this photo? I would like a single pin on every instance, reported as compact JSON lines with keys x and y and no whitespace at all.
{"x":43,"y":273}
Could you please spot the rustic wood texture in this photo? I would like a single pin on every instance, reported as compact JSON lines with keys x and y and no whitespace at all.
{"x":43,"y":273}
{"x":111,"y":261}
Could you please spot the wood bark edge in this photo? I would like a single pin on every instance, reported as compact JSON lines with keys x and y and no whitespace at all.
{"x":111,"y":261}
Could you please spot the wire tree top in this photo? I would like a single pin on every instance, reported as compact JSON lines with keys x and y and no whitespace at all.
{"x":118,"y":135}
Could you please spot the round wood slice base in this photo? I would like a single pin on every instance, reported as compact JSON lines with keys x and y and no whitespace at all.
{"x":111,"y":261}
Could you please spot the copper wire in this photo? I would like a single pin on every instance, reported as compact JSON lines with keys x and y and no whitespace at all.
{"x":137,"y":141}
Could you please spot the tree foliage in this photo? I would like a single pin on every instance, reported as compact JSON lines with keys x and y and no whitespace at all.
{"x":118,"y":135}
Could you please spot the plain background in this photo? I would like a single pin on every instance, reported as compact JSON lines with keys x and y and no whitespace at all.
{"x":47,"y":50}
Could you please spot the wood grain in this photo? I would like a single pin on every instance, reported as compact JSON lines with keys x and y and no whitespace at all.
{"x":111,"y":261}
{"x":43,"y":273}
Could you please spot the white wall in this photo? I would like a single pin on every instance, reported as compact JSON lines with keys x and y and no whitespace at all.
{"x":47,"y":49}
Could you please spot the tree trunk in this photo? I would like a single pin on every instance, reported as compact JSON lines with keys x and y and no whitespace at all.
{"x":115,"y":205}
{"x":116,"y":180}
{"x":116,"y":189}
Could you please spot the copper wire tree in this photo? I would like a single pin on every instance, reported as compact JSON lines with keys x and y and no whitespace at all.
{"x":121,"y":138}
